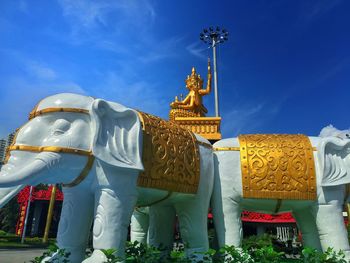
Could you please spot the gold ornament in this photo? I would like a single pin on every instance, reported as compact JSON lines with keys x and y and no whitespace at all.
{"x":170,"y":156}
{"x":277,"y":166}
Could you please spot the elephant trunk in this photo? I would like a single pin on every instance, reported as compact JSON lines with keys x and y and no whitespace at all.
{"x":6,"y":194}
{"x":11,"y":176}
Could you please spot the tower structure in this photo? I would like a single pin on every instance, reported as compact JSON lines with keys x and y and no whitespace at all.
{"x":3,"y":144}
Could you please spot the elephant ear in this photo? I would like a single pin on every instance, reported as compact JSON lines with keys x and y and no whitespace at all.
{"x":117,"y":135}
{"x":334,"y":160}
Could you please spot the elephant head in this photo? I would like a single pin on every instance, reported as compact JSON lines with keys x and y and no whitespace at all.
{"x":330,"y":131}
{"x":65,"y":133}
{"x":334,"y":159}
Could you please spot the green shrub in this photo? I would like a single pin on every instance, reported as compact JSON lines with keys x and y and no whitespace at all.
{"x":255,"y":242}
{"x":140,"y":253}
{"x":267,"y":255}
{"x":311,"y":255}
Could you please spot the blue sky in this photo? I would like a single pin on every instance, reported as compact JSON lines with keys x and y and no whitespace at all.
{"x":285,"y":68}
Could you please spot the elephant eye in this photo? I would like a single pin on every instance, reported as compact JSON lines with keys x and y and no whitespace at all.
{"x":60,"y":126}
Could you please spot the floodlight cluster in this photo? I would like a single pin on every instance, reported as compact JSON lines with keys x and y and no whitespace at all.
{"x":213,"y":36}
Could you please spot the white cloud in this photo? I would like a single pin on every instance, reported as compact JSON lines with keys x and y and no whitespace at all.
{"x":139,"y":95}
{"x":41,"y":71}
{"x":91,"y":14}
{"x":247,"y":117}
{"x":241,"y":118}
{"x":123,"y":27}
{"x":312,"y":10}
{"x":163,"y":49}
{"x":197,"y":49}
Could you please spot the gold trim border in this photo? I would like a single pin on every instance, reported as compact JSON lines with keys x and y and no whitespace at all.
{"x":218,"y":149}
{"x":49,"y":149}
{"x":50,"y":110}
{"x":83,"y":174}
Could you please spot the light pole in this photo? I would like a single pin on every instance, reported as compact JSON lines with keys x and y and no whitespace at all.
{"x":214,"y":36}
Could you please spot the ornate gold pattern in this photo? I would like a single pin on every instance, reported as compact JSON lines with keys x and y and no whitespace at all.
{"x":277,"y":167}
{"x":207,"y":127}
{"x":175,"y":113}
{"x":170,"y":156}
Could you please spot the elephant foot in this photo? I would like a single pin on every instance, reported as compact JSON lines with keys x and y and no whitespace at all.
{"x":62,"y":255}
{"x":57,"y":257}
{"x":96,"y":257}
{"x":347,"y":255}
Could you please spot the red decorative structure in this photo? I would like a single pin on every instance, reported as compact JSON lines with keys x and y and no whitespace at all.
{"x":22,"y":199}
{"x":23,"y":196}
{"x":267,"y":218}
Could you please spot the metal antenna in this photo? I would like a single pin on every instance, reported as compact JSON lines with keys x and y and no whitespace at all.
{"x":212,"y":37}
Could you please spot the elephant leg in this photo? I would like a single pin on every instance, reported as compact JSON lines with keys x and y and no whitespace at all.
{"x":75,"y":223}
{"x":306,"y":221}
{"x":233,"y":231}
{"x":331,"y":228}
{"x":139,"y":225}
{"x":113,"y":210}
{"x":161,"y":229}
{"x":193,"y":218}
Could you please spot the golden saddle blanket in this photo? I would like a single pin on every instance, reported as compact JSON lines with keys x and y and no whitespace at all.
{"x":277,"y":166}
{"x":170,"y":156}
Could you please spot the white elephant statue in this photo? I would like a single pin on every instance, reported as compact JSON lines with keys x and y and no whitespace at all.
{"x":245,"y":179}
{"x":139,"y":225}
{"x":147,"y":227}
{"x":98,"y":149}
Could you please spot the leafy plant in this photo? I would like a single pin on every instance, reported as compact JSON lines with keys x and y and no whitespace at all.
{"x":233,"y":254}
{"x":61,"y":254}
{"x":255,"y":242}
{"x":137,"y":253}
{"x":311,"y":255}
{"x":110,"y":255}
{"x":267,"y":255}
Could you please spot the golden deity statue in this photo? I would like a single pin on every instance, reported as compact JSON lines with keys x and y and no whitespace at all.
{"x":192,"y":105}
{"x":190,"y":112}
